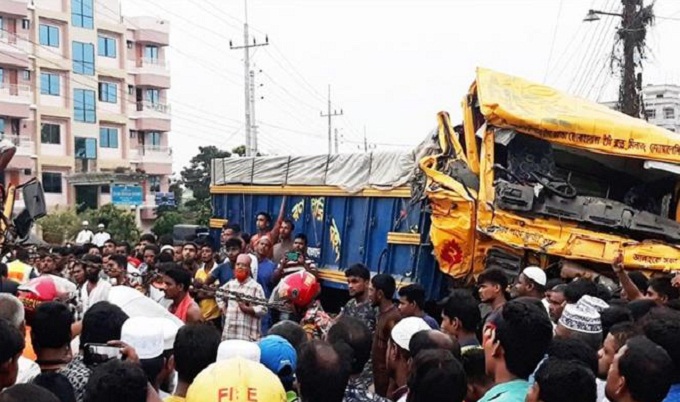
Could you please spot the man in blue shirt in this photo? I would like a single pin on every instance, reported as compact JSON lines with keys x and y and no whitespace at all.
{"x":225,"y":271}
{"x":265,"y":274}
{"x":515,"y":339}
{"x":412,"y":302}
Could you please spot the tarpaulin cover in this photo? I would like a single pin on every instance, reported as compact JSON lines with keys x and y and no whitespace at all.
{"x":511,"y":102}
{"x":351,"y":172}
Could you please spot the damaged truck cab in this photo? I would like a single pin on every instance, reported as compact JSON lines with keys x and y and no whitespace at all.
{"x":535,"y":176}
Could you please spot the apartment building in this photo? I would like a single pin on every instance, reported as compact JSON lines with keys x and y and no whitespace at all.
{"x":83,"y":96}
{"x":662,"y":105}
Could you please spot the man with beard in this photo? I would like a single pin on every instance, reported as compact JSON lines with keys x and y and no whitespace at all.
{"x":556,"y":302}
{"x":285,"y":243}
{"x":149,"y":258}
{"x":95,"y":289}
{"x":189,"y":256}
{"x":177,"y":282}
{"x":263,"y":224}
{"x":109,"y":247}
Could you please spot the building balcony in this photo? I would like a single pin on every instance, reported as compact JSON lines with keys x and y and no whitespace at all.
{"x":151,"y":153}
{"x":150,"y":30}
{"x":159,"y":65}
{"x":150,"y":116}
{"x":25,"y":153}
{"x":17,"y":8}
{"x":13,"y":50}
{"x":15,"y":100}
{"x":152,"y":77}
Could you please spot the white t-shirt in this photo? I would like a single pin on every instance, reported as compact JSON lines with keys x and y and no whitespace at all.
{"x":100,"y":238}
{"x":84,"y":236}
{"x":28,"y":370}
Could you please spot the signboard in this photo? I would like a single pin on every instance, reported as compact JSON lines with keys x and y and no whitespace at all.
{"x":165,"y":199}
{"x":127,"y":195}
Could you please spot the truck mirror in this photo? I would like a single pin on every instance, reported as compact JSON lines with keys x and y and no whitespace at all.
{"x":22,"y":225}
{"x":34,"y":199}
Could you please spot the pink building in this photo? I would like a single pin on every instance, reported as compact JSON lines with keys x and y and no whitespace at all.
{"x":83,"y":95}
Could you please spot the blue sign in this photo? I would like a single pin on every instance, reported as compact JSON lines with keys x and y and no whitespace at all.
{"x":128,"y":195}
{"x":165,"y":199}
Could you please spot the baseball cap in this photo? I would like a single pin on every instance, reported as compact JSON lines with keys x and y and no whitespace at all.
{"x":145,"y":338}
{"x":236,"y":380}
{"x":277,"y":354}
{"x":232,"y":348}
{"x":536,"y":274}
{"x":404,"y":330}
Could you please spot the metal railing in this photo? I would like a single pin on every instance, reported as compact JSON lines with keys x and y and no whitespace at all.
{"x":156,"y":107}
{"x":22,"y":90}
{"x":154,"y":62}
{"x":159,"y":150}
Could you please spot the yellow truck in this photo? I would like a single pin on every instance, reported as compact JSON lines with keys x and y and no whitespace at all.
{"x":534,"y":175}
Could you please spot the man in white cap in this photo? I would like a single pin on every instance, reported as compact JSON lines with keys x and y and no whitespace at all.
{"x":531,"y":283}
{"x":232,"y":348}
{"x":146,"y":336}
{"x":85,"y":235}
{"x":580,"y":321}
{"x":398,"y":354}
{"x":101,"y":237}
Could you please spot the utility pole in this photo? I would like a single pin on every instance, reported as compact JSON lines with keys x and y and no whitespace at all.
{"x":337,"y":144}
{"x":628,"y":97}
{"x":251,"y":131}
{"x":330,"y":116}
{"x":366,"y":144}
{"x":635,"y":18}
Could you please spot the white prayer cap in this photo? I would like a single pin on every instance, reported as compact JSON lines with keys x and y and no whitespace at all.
{"x":404,"y":330}
{"x":238,"y":348}
{"x":169,"y":329}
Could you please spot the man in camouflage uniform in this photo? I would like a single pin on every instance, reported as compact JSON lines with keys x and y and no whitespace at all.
{"x":358,"y":278}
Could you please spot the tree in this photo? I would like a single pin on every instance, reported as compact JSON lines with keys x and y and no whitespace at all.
{"x":120,"y":224}
{"x":239,"y":150}
{"x":165,"y":222}
{"x":196,"y":176}
{"x":59,"y":226}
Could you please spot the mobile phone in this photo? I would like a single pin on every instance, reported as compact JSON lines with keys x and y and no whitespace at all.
{"x":292,"y":255}
{"x":98,"y":353}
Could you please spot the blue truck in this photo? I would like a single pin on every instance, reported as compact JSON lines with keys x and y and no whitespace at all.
{"x":353,"y":208}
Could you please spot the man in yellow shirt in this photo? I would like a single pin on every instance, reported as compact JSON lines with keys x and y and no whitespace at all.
{"x":19,"y":270}
{"x":209,"y":310}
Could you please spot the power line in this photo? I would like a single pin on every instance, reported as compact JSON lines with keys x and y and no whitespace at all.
{"x":552,"y":44}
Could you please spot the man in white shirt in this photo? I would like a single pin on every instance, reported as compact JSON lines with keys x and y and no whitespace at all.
{"x":101,"y":237}
{"x":85,"y":235}
{"x":95,"y":289}
{"x":12,"y":310}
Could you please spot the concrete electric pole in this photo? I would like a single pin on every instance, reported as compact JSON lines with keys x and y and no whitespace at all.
{"x":251,"y":128}
{"x":330,"y":115}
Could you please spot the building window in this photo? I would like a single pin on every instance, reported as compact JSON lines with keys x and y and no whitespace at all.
{"x":85,"y":148}
{"x":154,"y":184}
{"x":50,"y":134}
{"x":153,"y":96}
{"x":2,"y":74}
{"x":659,"y":96}
{"x":105,"y":189}
{"x":108,"y":137}
{"x":81,"y":13}
{"x":668,"y":113}
{"x":83,"y":58}
{"x":50,"y":84}
{"x":2,"y":125}
{"x":51,"y":182}
{"x":151,"y":52}
{"x":108,"y":92}
{"x":84,"y":106}
{"x":153,"y":139}
{"x":650,"y":113}
{"x":25,"y":23}
{"x":106,"y":47}
{"x":27,"y":75}
{"x":49,"y":35}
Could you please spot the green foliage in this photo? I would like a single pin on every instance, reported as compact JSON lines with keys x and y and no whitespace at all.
{"x":239,"y":150}
{"x":166,"y":221}
{"x":196,"y":176}
{"x":59,"y":225}
{"x":119,"y":222}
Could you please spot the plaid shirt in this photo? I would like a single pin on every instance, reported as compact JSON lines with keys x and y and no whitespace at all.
{"x":237,"y":324}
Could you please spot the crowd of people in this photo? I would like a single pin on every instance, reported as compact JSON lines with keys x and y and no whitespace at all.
{"x":176,"y":321}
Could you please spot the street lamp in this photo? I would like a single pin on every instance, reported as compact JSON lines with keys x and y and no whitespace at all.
{"x":594,"y":15}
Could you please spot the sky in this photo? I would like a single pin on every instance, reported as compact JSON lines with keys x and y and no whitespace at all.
{"x":392,"y":65}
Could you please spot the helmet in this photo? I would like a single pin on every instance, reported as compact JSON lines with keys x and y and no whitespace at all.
{"x":299,"y":288}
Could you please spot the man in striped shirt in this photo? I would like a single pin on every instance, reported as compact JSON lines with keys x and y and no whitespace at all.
{"x":242,"y":319}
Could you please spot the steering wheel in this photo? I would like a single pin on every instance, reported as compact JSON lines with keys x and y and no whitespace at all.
{"x":555,"y":186}
{"x":513,"y":178}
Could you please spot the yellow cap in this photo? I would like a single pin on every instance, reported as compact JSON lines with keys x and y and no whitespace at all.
{"x":236,"y":380}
